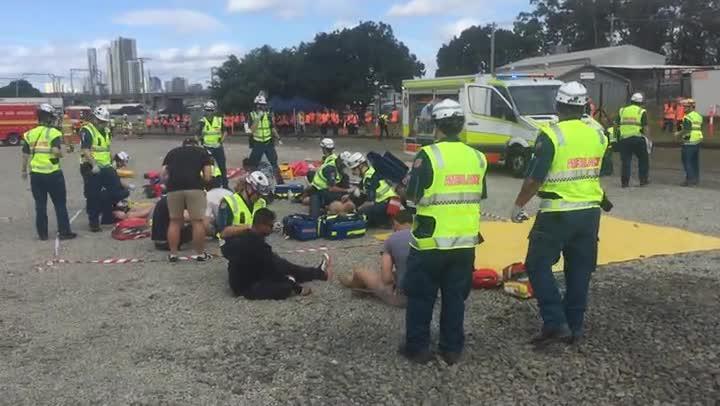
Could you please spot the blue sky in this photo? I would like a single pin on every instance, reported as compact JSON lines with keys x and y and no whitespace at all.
{"x":187,"y":37}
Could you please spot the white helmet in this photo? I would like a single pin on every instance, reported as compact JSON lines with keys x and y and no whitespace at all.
{"x":47,"y":109}
{"x":260,"y":182}
{"x":327,"y":143}
{"x":209,"y":106}
{"x":637,"y":98}
{"x":260,"y":99}
{"x":101,"y":113}
{"x":355,"y":160}
{"x":447,"y":108}
{"x":344,"y":156}
{"x":572,"y":93}
{"x":122,"y":156}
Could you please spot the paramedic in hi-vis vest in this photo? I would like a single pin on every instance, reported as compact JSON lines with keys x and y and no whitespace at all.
{"x":565,"y":175}
{"x":41,"y":148}
{"x":263,"y":138}
{"x":326,"y":183}
{"x":692,"y":136}
{"x":447,"y":183}
{"x":375,"y":191}
{"x":236,"y":211}
{"x":211,"y":135}
{"x":631,"y":128}
{"x":102,"y":185}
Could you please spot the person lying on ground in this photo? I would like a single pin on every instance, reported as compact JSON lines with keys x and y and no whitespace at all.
{"x":256,"y":273}
{"x":387,"y":284}
{"x":123,"y":210}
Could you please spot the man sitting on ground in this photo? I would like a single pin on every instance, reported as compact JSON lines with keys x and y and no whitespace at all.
{"x":159,"y":227}
{"x":256,"y":273}
{"x":387,"y":284}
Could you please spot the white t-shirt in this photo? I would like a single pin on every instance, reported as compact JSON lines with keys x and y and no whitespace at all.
{"x":214,"y":197}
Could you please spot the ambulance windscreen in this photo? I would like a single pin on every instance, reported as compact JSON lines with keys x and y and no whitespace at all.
{"x":534,"y":100}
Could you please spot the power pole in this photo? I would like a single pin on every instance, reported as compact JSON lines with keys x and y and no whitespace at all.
{"x":612,"y":29}
{"x":492,"y":50}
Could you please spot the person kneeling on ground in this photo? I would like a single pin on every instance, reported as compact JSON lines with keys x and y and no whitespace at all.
{"x":387,"y":284}
{"x":236,"y":211}
{"x":256,"y":273}
{"x":214,"y":195}
{"x":375,"y":192}
{"x":326,"y":182}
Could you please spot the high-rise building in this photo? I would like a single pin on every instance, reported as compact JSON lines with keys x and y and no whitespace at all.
{"x":177,"y":85}
{"x":134,"y":77}
{"x":195,"y":88}
{"x":93,"y":74}
{"x":122,"y":81}
{"x":154,"y":84}
{"x":168,"y":86}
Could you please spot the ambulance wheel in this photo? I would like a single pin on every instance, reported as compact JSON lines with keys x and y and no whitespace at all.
{"x":12,"y":139}
{"x":518,"y":159}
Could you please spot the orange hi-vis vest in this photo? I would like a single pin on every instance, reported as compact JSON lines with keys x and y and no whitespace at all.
{"x":394,"y":116}
{"x":669,"y":111}
{"x":368,"y":117}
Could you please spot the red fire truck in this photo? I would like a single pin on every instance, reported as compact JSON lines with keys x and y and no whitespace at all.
{"x":15,"y":120}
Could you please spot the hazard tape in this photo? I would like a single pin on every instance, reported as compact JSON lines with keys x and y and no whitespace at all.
{"x":127,"y":261}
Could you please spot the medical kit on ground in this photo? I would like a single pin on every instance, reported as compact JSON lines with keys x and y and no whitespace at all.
{"x":341,"y":227}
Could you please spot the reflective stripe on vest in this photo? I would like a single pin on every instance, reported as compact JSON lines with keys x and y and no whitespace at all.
{"x":319,"y":181}
{"x":696,"y":135}
{"x":453,"y":198}
{"x":100,"y":146}
{"x":212,"y":132}
{"x":383,"y":191}
{"x":631,"y":121}
{"x":40,"y":140}
{"x":263,"y":130}
{"x":575,"y":171}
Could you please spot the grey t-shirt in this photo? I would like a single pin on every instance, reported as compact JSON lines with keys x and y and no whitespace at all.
{"x":398,"y":246}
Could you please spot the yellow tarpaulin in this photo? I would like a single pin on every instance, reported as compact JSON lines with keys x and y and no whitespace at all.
{"x":620,"y":240}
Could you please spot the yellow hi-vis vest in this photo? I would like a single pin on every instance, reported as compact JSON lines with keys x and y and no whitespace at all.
{"x":319,"y":181}
{"x":242,"y":214}
{"x":212,"y":132}
{"x":696,"y":135}
{"x":453,"y":198}
{"x":383,"y":192}
{"x":100,"y":146}
{"x":575,"y":170}
{"x":40,"y":140}
{"x":263,"y":131}
{"x":630,"y":121}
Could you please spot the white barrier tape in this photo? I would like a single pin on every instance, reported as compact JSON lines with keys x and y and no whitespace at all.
{"x":124,"y":261}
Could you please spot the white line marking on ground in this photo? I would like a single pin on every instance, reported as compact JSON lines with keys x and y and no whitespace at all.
{"x":75,"y":215}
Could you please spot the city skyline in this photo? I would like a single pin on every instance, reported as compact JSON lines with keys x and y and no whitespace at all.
{"x":185,"y":40}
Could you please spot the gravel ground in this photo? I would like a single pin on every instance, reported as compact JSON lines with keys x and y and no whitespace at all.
{"x":154,"y":333}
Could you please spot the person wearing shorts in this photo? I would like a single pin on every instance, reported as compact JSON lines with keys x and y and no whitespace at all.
{"x":386,"y":285}
{"x":187,"y":170}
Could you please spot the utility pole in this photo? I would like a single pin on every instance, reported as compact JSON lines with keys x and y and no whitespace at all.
{"x":142,"y":74}
{"x":612,"y":29}
{"x":492,"y":50}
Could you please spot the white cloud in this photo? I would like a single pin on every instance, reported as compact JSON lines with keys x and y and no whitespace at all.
{"x":193,"y":62}
{"x":291,"y":9}
{"x":415,"y":8}
{"x":343,"y":24}
{"x":182,"y":20}
{"x":455,"y":28}
{"x":247,"y":6}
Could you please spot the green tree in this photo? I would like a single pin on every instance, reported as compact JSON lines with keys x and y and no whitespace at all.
{"x":335,"y":68}
{"x":20,"y":88}
{"x":470,"y":52}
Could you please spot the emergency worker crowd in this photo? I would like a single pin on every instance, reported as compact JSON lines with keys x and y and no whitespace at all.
{"x":433,"y":208}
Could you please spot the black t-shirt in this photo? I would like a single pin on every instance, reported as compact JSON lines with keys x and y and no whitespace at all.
{"x":184,"y":166}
